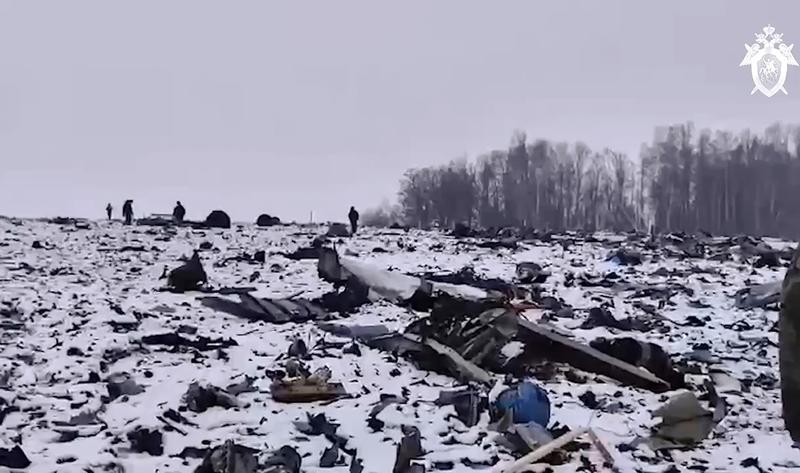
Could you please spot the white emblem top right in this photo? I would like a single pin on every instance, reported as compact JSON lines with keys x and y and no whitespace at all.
{"x":769,"y":58}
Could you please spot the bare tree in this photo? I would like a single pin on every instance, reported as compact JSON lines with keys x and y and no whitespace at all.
{"x":684,"y":181}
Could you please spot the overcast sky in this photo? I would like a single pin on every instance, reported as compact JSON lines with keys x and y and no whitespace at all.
{"x":291,"y":107}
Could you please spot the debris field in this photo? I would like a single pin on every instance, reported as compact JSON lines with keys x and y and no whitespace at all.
{"x":283,"y":349}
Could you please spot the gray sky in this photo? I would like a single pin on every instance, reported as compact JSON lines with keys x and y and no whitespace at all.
{"x":288,"y":107}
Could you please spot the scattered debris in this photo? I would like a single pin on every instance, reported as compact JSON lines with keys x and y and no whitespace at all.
{"x":465,"y":324}
{"x":200,"y":399}
{"x":647,"y":355}
{"x":759,"y":296}
{"x":559,"y":348}
{"x":176,"y":340}
{"x":188,"y":277}
{"x":308,"y":389}
{"x":468,"y":403}
{"x":625,"y":257}
{"x":14,"y":458}
{"x":285,"y":460}
{"x":392,"y":286}
{"x":410,"y":447}
{"x":230,"y":458}
{"x":266,"y":220}
{"x":274,"y":311}
{"x":338,"y":230}
{"x":218,"y":219}
{"x":531,"y":273}
{"x":121,"y":384}
{"x":685,"y":422}
{"x":462,"y":230}
{"x":146,"y":441}
{"x":601,"y":317}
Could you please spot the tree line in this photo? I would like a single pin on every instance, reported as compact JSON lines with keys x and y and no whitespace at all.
{"x":714,"y":181}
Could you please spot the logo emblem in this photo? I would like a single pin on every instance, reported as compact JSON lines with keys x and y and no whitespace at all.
{"x":769,"y":58}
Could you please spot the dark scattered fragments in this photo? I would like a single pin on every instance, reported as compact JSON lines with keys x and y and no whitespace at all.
{"x":266,"y":220}
{"x":759,"y":296}
{"x":285,"y":460}
{"x":318,"y":424}
{"x":556,"y":347}
{"x":531,"y":273}
{"x":230,"y":458}
{"x":275,"y":311}
{"x":5,"y":409}
{"x":468,"y":403}
{"x":330,"y":457}
{"x":356,"y":466}
{"x":177,"y":417}
{"x":347,"y":299}
{"x":146,"y":441}
{"x":188,"y":277}
{"x":462,"y":230}
{"x":218,"y":219}
{"x":647,"y":355}
{"x":201,"y":398}
{"x":507,"y":243}
{"x":409,"y":448}
{"x":14,"y":458}
{"x":602,"y":317}
{"x":625,"y":257}
{"x":122,"y":384}
{"x":176,"y":341}
{"x":193,"y":452}
{"x":473,"y":341}
{"x":311,"y":252}
{"x":338,"y":230}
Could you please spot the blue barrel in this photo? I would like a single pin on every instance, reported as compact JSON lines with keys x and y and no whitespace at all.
{"x":529,"y":403}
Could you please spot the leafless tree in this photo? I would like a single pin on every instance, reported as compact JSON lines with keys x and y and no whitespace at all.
{"x":720,"y":182}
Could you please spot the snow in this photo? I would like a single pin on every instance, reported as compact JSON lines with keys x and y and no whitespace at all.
{"x":72,"y":308}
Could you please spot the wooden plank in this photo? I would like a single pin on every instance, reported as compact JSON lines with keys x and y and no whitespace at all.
{"x":541,"y":452}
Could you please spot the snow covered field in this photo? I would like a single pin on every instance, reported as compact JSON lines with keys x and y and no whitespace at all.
{"x":73,"y":309}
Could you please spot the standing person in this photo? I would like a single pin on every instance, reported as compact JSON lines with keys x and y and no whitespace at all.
{"x":179,"y":213}
{"x":127,"y":211}
{"x":353,"y":216}
{"x":109,"y":210}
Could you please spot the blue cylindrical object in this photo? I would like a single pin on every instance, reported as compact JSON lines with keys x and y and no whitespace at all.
{"x":529,"y":403}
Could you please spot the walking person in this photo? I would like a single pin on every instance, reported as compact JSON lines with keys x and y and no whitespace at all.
{"x":178,"y":213}
{"x":353,"y":216}
{"x":109,"y":210}
{"x":127,"y":211}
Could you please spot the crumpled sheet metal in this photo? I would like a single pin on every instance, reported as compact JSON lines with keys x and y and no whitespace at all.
{"x":390,"y":285}
{"x":685,"y":422}
{"x":759,"y":296}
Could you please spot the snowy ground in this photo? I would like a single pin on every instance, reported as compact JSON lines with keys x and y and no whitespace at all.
{"x":58,"y":301}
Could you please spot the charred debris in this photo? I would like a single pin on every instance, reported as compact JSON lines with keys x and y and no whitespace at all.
{"x":467,"y":324}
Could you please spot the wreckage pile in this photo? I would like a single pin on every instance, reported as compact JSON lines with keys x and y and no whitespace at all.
{"x":280,"y":349}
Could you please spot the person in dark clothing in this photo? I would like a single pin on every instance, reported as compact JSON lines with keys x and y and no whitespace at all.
{"x":353,"y":216}
{"x":179,"y":213}
{"x":109,"y":210}
{"x":127,"y":211}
